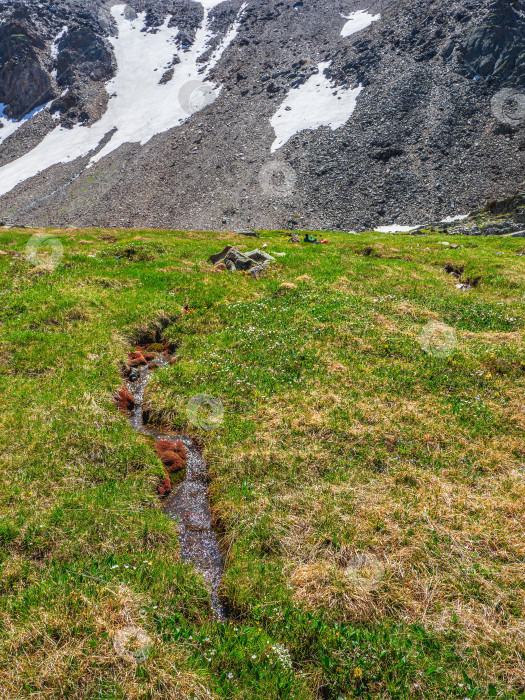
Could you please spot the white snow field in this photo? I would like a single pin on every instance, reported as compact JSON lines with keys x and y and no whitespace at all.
{"x":404,"y":229}
{"x":139,"y":107}
{"x":451,"y":219}
{"x":394,"y":229}
{"x":9,"y":126}
{"x":358,"y":21}
{"x":317,"y":102}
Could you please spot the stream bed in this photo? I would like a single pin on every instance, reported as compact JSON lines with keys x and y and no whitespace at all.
{"x":187,"y":503}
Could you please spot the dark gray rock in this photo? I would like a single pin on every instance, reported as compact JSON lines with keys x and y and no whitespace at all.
{"x":230,"y":254}
{"x":499,"y":228}
{"x":25,"y":83}
{"x":495,"y":50}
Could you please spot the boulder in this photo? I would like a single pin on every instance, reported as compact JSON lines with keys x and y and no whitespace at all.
{"x":233,"y":259}
{"x":260,"y":256}
{"x":24,"y":81}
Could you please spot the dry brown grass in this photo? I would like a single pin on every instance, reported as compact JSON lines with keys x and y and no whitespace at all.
{"x":438,"y":535}
{"x":104,"y":638}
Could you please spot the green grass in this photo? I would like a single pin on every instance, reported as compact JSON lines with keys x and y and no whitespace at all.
{"x":342,"y":437}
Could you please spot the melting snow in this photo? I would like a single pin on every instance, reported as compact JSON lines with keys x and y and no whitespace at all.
{"x":317,"y":102}
{"x":139,"y":106}
{"x":394,"y":229}
{"x":9,"y":126}
{"x":451,"y":219}
{"x":210,"y":4}
{"x":404,"y":229}
{"x":358,"y":21}
{"x":54,"y":45}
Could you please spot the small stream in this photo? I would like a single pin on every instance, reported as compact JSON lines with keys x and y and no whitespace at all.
{"x":188,"y":502}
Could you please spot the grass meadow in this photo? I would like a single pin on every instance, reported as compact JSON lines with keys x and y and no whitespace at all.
{"x":367,"y":478}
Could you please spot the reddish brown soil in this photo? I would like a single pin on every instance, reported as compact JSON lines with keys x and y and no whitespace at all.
{"x":169,"y":446}
{"x":164,"y":486}
{"x":172,"y":454}
{"x":172,"y":461}
{"x":136,"y":359}
{"x":124,"y":399}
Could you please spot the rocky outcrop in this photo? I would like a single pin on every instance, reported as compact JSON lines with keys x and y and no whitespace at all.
{"x":255,"y":262}
{"x":495,"y":50}
{"x":25,"y":82}
{"x":504,"y":217}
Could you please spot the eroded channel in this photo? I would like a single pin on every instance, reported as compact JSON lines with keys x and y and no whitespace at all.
{"x":187,"y":502}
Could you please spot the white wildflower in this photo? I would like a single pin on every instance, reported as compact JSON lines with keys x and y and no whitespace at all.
{"x":283,"y":656}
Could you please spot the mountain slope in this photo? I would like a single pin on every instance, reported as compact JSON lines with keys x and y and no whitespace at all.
{"x":209,"y":114}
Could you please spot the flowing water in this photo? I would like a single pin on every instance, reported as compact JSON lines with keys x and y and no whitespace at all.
{"x":188,"y":502}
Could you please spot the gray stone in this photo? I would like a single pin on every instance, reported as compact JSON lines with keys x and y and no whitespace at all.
{"x":233,"y":259}
{"x":259,"y":256}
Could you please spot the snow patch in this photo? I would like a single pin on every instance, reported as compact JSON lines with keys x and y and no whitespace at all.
{"x":54,"y":45}
{"x":405,"y":229}
{"x":357,"y":21}
{"x":313,"y":104}
{"x":394,"y":229}
{"x":9,"y":126}
{"x":317,"y":102}
{"x":451,"y":219}
{"x":210,"y":4}
{"x":139,"y":107}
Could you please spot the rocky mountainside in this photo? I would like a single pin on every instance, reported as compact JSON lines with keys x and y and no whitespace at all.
{"x":210,"y":114}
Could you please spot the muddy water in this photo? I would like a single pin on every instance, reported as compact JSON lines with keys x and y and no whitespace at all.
{"x":188,"y":502}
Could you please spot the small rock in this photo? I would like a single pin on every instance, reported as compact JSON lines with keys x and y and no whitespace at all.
{"x":133,"y":375}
